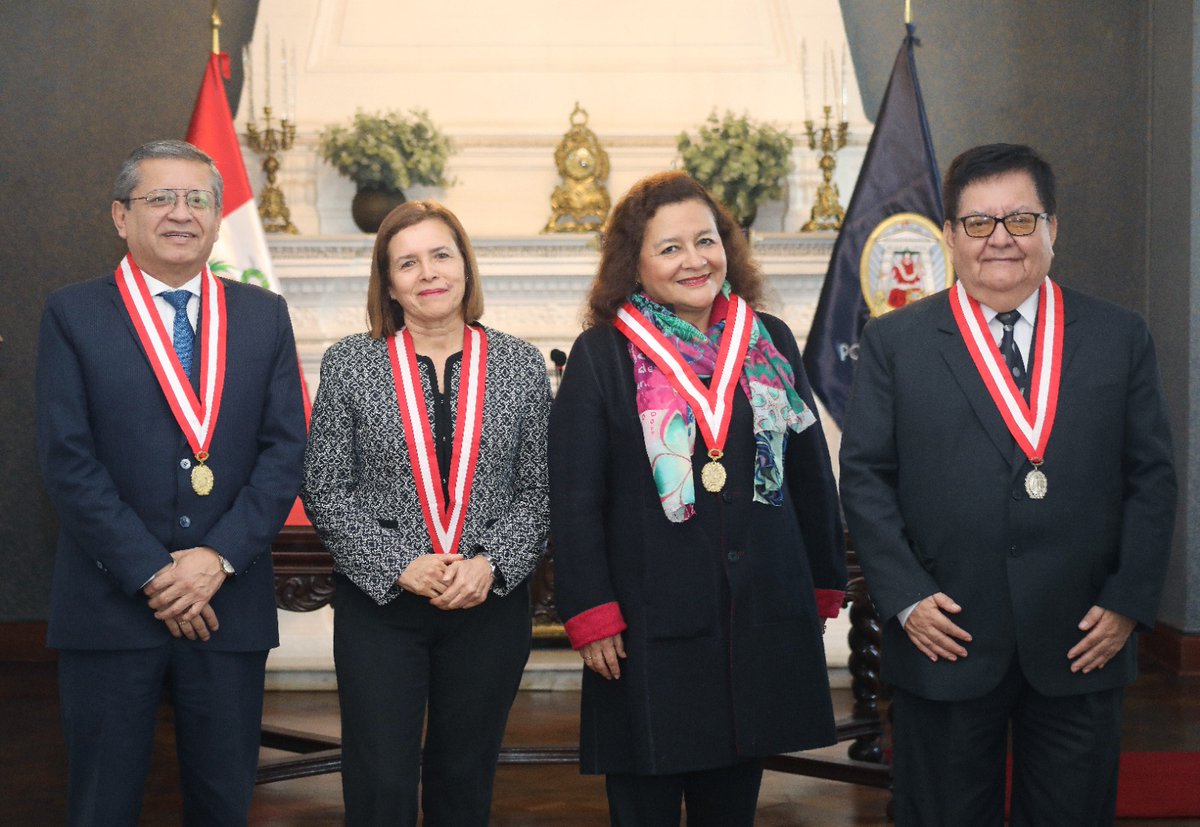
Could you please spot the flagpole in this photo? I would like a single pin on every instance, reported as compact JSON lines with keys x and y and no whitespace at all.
{"x":216,"y":29}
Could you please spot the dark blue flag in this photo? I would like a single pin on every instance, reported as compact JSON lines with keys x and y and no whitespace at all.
{"x":890,"y":250}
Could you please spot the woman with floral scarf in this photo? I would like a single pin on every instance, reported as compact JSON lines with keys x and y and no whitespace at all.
{"x":698,"y":543}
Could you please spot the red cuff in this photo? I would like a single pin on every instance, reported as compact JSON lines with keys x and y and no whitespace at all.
{"x":595,"y":624}
{"x":829,"y":602}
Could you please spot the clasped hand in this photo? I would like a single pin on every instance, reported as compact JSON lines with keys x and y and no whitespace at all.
{"x":450,"y":581}
{"x":180,"y":592}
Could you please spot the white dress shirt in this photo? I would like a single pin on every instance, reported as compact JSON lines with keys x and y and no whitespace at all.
{"x":165,"y":311}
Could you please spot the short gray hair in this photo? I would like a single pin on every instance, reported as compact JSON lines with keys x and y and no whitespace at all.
{"x":130,"y":175}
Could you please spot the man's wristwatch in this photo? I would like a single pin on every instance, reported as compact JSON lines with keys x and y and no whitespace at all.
{"x":227,"y":567}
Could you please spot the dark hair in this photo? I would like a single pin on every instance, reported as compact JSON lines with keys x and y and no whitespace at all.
{"x":130,"y":174}
{"x":990,"y":160}
{"x":617,"y":277}
{"x":384,"y":314}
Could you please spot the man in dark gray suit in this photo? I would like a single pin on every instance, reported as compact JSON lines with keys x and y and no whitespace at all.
{"x":171,"y":436}
{"x":1006,"y":472}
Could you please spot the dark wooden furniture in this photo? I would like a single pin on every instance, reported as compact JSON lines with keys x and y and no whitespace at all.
{"x":303,"y":582}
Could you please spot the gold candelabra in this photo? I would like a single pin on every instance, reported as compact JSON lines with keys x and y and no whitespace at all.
{"x":827,"y":213}
{"x":270,"y":141}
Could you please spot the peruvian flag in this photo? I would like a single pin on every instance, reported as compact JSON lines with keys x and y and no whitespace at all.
{"x":241,"y":251}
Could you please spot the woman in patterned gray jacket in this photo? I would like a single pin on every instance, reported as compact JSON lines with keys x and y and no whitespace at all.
{"x":425,"y":477}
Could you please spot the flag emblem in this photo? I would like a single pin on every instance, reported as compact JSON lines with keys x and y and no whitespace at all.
{"x":905,"y":258}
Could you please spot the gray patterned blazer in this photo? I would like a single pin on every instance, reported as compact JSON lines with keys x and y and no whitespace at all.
{"x":359,"y":489}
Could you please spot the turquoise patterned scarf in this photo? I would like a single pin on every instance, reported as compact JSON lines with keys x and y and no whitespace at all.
{"x":669,"y":427}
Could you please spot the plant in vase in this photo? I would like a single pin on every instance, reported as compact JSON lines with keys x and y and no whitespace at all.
{"x":743,"y":163}
{"x":382,"y":153}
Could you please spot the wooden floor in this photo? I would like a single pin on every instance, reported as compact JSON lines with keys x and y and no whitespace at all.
{"x":1162,"y":713}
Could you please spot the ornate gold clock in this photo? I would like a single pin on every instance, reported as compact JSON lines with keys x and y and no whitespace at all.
{"x":581,"y":202}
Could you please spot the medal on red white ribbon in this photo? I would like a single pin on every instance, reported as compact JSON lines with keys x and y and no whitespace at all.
{"x":444,"y":519}
{"x":197,"y":416}
{"x":712,"y":406}
{"x":1030,"y":423}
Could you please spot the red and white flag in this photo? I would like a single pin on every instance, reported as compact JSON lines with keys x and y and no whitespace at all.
{"x":241,"y":251}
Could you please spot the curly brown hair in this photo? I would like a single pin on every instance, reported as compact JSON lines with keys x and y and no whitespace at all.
{"x":617,"y":277}
{"x":385,"y":316}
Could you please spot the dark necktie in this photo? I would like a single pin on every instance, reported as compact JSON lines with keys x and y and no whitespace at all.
{"x":183,"y":337}
{"x":1012,"y":353}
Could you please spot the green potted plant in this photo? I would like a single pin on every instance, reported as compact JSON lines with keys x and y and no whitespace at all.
{"x":383,"y":153}
{"x":742,"y":162}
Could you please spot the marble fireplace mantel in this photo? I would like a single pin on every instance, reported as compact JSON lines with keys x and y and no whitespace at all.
{"x":534,"y":286}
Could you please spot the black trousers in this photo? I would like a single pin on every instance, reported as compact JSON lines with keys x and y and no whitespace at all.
{"x":721,"y":797}
{"x":110,"y":702}
{"x":949,"y":757}
{"x":396,"y":661}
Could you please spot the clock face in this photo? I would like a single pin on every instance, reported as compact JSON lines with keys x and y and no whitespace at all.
{"x":580,"y":163}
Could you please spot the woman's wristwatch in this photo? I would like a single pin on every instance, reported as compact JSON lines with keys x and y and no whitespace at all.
{"x":484,"y":555}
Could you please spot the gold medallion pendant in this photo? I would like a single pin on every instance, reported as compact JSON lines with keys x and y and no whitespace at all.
{"x":202,"y":476}
{"x":1035,"y":484}
{"x":713,"y":473}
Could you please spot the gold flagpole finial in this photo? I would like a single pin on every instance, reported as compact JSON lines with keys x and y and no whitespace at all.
{"x":907,"y":11}
{"x":216,"y":29}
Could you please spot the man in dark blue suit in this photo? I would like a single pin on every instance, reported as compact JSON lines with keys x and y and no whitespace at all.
{"x":171,"y":435}
{"x":1006,"y":472}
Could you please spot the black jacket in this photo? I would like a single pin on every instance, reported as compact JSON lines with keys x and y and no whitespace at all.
{"x":933,"y":486}
{"x":725,"y":656}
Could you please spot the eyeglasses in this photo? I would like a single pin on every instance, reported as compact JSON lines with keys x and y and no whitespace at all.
{"x":196,"y":200}
{"x":1017,"y":223}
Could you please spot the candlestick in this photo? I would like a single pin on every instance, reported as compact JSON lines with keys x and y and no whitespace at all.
{"x":824,"y":71}
{"x":843,"y":112}
{"x":827,"y":212}
{"x":286,"y":98}
{"x":267,"y":61}
{"x":292,"y":107}
{"x":270,"y":141}
{"x":804,"y":76}
{"x":249,"y":78}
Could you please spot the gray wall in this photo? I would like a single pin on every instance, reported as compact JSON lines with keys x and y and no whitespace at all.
{"x":1068,"y":77}
{"x":83,"y":83}
{"x":1173,"y":286}
{"x":1106,"y":91}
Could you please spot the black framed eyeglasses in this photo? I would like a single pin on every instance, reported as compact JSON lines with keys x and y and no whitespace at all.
{"x":164,"y":199}
{"x":1017,"y":223}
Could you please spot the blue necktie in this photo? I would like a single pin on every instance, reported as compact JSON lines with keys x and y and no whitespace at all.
{"x":1011,"y":352}
{"x":183,"y":337}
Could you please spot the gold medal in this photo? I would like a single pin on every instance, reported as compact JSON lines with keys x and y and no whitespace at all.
{"x":202,"y":476}
{"x":1035,"y":483}
{"x":712,"y":404}
{"x":195,"y":415}
{"x":713,"y":473}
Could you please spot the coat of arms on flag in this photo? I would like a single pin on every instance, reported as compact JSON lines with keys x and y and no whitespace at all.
{"x":904,"y":259}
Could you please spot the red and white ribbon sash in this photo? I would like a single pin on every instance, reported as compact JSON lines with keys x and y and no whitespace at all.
{"x":1029,"y":423}
{"x":713,"y":405}
{"x":197,"y":416}
{"x":443,"y":519}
